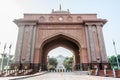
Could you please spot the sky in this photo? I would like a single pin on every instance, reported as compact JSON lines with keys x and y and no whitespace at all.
{"x":14,"y":9}
{"x":60,"y":51}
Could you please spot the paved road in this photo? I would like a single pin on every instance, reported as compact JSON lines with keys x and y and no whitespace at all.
{"x":68,"y":76}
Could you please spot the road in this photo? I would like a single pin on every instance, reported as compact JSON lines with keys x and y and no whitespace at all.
{"x":68,"y":76}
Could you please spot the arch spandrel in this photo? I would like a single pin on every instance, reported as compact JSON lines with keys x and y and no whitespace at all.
{"x":45,"y":32}
{"x":67,"y":36}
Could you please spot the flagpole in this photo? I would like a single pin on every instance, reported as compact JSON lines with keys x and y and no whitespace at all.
{"x":8,"y":57}
{"x":60,"y":8}
{"x":116,"y":54}
{"x":3,"y":56}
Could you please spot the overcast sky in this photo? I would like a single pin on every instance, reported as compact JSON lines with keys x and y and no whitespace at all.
{"x":14,"y":9}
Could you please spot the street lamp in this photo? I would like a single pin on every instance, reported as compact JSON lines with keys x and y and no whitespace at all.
{"x":116,"y":55}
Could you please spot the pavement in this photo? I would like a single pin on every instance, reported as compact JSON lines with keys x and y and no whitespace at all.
{"x":22,"y":77}
{"x":69,"y":76}
{"x":58,"y":76}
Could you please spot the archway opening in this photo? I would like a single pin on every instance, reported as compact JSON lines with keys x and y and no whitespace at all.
{"x":60,"y":59}
{"x":60,"y":51}
{"x":58,"y":42}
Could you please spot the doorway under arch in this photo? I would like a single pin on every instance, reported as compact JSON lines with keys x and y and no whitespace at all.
{"x":60,"y":59}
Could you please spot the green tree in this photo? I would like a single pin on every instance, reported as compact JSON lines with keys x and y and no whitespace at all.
{"x":68,"y":63}
{"x":52,"y":63}
{"x":113,"y":61}
{"x":5,"y":60}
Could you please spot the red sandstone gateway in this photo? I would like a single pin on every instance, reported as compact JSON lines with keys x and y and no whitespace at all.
{"x":40,"y":33}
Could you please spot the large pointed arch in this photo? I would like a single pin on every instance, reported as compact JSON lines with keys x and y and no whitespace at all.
{"x":60,"y":34}
{"x":63,"y":41}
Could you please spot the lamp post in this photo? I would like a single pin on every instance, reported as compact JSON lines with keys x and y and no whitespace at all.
{"x":116,"y":55}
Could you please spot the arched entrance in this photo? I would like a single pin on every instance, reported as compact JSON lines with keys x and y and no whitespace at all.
{"x":63,"y":41}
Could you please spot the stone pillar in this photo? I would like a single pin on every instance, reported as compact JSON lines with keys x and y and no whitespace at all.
{"x":101,"y":44}
{"x":91,"y":41}
{"x":84,"y":59}
{"x":26,"y":49}
{"x":80,"y":64}
{"x":33,"y":45}
{"x":96,"y":44}
{"x":83,"y":55}
{"x":74,"y":62}
{"x":88,"y":44}
{"x":36,"y":58}
{"x":19,"y":44}
{"x":29,"y":44}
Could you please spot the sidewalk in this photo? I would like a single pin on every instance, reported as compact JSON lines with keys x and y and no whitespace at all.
{"x":22,"y":77}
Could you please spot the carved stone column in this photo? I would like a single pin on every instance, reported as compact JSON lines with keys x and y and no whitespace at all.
{"x":28,"y":47}
{"x":33,"y":44}
{"x":88,"y":44}
{"x":91,"y":41}
{"x":29,"y":44}
{"x":101,"y":44}
{"x":19,"y":44}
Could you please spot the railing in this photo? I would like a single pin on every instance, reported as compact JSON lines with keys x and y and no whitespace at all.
{"x":60,"y":70}
{"x":15,"y":72}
